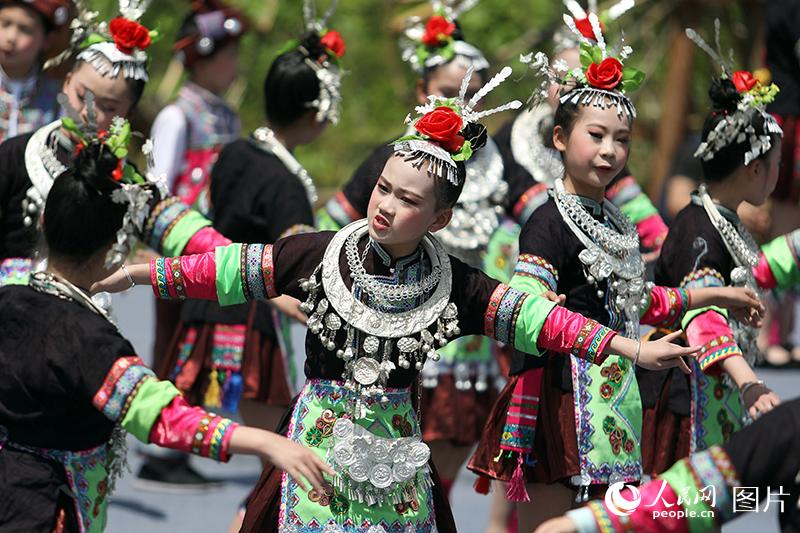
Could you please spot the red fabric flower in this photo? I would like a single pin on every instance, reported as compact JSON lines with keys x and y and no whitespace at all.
{"x":437,"y":31}
{"x":442,"y":125}
{"x":334,"y":42}
{"x":117,"y":173}
{"x":743,"y":80}
{"x":129,"y":34}
{"x":606,"y":75}
{"x":585,"y":27}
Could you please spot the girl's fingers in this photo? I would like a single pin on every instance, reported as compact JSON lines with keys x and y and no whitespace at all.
{"x":672,"y":336}
{"x":295,"y":475}
{"x":683,"y":366}
{"x":324,"y":467}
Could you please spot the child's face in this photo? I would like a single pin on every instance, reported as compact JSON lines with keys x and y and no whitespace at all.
{"x":402,"y":207}
{"x":22,"y":39}
{"x":112,"y":95}
{"x":445,"y":81}
{"x":220,"y":70}
{"x":597,"y":148}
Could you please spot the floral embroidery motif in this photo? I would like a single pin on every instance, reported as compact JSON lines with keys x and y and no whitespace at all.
{"x":617,"y":436}
{"x":339,"y":505}
{"x":323,"y":427}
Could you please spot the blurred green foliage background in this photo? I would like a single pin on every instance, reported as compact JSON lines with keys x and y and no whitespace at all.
{"x":378,"y":87}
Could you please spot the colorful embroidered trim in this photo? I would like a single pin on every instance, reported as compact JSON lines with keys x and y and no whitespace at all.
{"x":153,"y":218}
{"x":15,"y":271}
{"x":268,"y":272}
{"x":679,"y":301}
{"x":590,"y":341}
{"x":118,"y":388}
{"x":529,"y":202}
{"x":296,"y":229}
{"x":200,"y":434}
{"x":604,"y":523}
{"x":215,"y":448}
{"x":704,"y":277}
{"x":177,"y":278}
{"x":252,"y":277}
{"x":523,"y":412}
{"x":501,"y":314}
{"x":724,"y":465}
{"x":706,"y":474}
{"x":716,"y":350}
{"x":623,"y":191}
{"x":536,"y":267}
{"x":158,"y":277}
{"x":165,"y":220}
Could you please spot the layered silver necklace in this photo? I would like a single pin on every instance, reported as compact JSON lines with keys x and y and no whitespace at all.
{"x":746,"y":255}
{"x":373,"y":335}
{"x":384,"y":293}
{"x":266,"y":140}
{"x":609,"y":254}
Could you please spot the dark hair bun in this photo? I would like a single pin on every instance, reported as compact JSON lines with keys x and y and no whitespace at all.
{"x":723,"y":94}
{"x":476,"y":134}
{"x":93,"y":165}
{"x":312,"y":43}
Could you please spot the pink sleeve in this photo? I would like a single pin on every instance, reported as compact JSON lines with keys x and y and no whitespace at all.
{"x":652,"y":232}
{"x":205,"y":240}
{"x":711,"y":331}
{"x":653,"y":513}
{"x":189,"y":276}
{"x":193,"y":430}
{"x":567,"y":332}
{"x":763,"y":273}
{"x":667,"y":306}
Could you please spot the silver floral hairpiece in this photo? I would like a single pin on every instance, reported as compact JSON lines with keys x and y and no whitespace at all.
{"x":328,"y":103}
{"x":420,"y":148}
{"x":415,"y":52}
{"x":95,"y":43}
{"x":601,"y":81}
{"x":736,"y":127}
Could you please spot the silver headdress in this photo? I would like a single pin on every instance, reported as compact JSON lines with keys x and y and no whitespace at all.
{"x":111,"y":48}
{"x":441,"y":152}
{"x":430,"y":43}
{"x":601,"y":81}
{"x":565,"y":38}
{"x":328,"y":103}
{"x":736,"y":127}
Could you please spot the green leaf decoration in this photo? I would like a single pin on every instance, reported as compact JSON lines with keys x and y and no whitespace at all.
{"x":465,"y":153}
{"x":632,"y":78}
{"x":412,"y":137}
{"x":94,"y":38}
{"x":288,"y":47}
{"x":586,"y":56}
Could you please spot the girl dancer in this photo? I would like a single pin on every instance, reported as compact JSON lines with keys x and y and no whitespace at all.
{"x":589,"y":423}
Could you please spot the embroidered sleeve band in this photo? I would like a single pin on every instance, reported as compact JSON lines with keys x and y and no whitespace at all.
{"x":572,"y":333}
{"x":781,"y":256}
{"x":188,"y":276}
{"x":171,"y":226}
{"x":296,"y":229}
{"x":711,"y":331}
{"x":682,"y":479}
{"x":529,"y":202}
{"x":191,"y":429}
{"x":503,"y":312}
{"x":703,"y":277}
{"x":120,"y":387}
{"x":667,"y":307}
{"x":533,"y":266}
{"x":341,"y":211}
{"x":714,"y":474}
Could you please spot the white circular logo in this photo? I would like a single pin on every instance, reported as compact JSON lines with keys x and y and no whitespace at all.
{"x":619,"y":504}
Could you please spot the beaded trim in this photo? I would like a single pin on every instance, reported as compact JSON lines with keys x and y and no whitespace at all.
{"x":534,"y":266}
{"x":604,"y":523}
{"x":704,"y":277}
{"x":491,"y":310}
{"x":177,"y":278}
{"x":200,"y":434}
{"x":268,"y":272}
